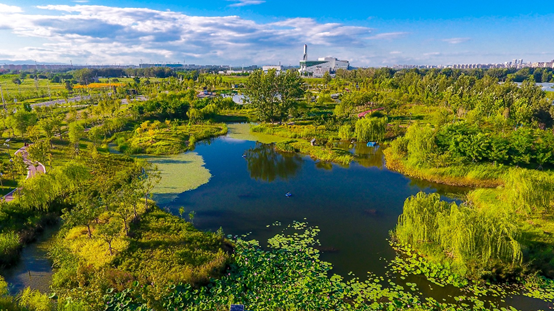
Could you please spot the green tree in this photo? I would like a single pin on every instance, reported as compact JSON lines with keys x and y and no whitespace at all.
{"x":109,"y":232}
{"x":327,"y":78}
{"x":274,"y":95}
{"x":38,"y":151}
{"x":371,"y":129}
{"x":21,"y":120}
{"x":76,"y":132}
{"x":19,"y":164}
{"x":421,"y":144}
{"x":345,"y":132}
{"x":95,"y":134}
{"x":83,"y":214}
{"x":47,"y":126}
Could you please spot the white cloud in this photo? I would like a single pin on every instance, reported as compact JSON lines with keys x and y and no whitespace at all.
{"x":388,"y":36}
{"x":245,"y":2}
{"x":4,"y":8}
{"x":395,"y":52}
{"x":456,"y":40}
{"x":102,"y":34}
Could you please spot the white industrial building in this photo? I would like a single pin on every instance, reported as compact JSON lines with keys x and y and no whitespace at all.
{"x":319,"y":67}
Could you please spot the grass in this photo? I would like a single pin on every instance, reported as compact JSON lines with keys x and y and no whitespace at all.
{"x":159,"y":139}
{"x":241,"y":131}
{"x":9,"y":248}
{"x":161,"y":249}
{"x":471,"y":175}
{"x":317,"y":152}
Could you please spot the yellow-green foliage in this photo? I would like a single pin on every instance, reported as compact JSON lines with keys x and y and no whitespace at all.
{"x":345,"y":132}
{"x":469,"y":175}
{"x":3,"y":287}
{"x":161,"y":249}
{"x":93,"y":251}
{"x":421,"y":145}
{"x":309,"y":131}
{"x":474,"y":240}
{"x":530,"y":191}
{"x":9,"y":247}
{"x":371,"y":129}
{"x":34,"y":300}
{"x":166,"y":138}
{"x":317,"y":152}
{"x":306,"y":131}
{"x":168,"y":249}
{"x":242,"y":131}
{"x":41,"y":191}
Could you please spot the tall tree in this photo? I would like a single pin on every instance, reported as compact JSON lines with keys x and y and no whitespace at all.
{"x":76,"y":132}
{"x":272,"y":94}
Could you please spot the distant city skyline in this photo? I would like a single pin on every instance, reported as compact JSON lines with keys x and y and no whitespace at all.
{"x":258,"y":32}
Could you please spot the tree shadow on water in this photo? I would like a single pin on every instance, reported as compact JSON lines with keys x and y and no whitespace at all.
{"x":264,"y":163}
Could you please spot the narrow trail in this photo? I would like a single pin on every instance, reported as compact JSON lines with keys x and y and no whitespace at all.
{"x":32,"y":171}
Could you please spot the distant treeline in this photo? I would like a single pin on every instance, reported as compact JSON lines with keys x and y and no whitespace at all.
{"x":539,"y":75}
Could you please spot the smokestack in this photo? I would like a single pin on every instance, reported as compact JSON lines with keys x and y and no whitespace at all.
{"x":305,"y":52}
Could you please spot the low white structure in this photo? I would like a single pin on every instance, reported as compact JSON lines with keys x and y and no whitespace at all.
{"x":268,"y":68}
{"x":319,"y":67}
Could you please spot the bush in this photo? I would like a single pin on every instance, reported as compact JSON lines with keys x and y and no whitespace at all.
{"x":345,"y":132}
{"x":34,"y":300}
{"x":9,"y":248}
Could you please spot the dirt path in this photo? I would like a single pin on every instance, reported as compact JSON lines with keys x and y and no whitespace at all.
{"x":32,"y":171}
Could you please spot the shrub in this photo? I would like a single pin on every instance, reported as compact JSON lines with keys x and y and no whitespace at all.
{"x":9,"y":248}
{"x":345,"y":132}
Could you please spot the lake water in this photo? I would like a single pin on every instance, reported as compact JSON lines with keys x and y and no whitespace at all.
{"x":355,"y":207}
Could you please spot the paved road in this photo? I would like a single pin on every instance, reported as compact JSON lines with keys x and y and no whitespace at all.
{"x":32,"y":171}
{"x":61,"y":101}
{"x":80,"y":98}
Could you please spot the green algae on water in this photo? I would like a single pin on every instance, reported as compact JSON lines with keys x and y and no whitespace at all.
{"x":179,"y":173}
{"x":241,"y":131}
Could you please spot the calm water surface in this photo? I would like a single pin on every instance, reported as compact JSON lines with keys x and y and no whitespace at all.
{"x":355,"y":207}
{"x":34,"y":269}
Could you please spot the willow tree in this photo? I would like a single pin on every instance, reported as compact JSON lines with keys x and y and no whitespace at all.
{"x":529,"y":191}
{"x":469,"y":237}
{"x":371,"y":129}
{"x":273,"y":94}
{"x":421,"y":144}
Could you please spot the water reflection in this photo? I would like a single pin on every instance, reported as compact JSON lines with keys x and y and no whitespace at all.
{"x":364,"y":155}
{"x":266,"y":164}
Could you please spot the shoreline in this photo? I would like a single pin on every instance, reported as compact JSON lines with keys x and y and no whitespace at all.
{"x":398,"y":166}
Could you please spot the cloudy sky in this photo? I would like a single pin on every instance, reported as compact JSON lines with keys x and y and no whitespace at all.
{"x":244,"y":32}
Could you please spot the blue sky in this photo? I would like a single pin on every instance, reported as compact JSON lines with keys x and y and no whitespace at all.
{"x":244,"y":32}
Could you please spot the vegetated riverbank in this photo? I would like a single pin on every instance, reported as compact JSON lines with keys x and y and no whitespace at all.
{"x":323,"y":148}
{"x":171,"y":137}
{"x":291,"y":275}
{"x":468,"y":175}
{"x":159,"y":249}
{"x":34,"y":268}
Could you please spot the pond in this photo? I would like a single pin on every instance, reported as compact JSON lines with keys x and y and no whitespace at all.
{"x":239,"y":184}
{"x":355,"y":207}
